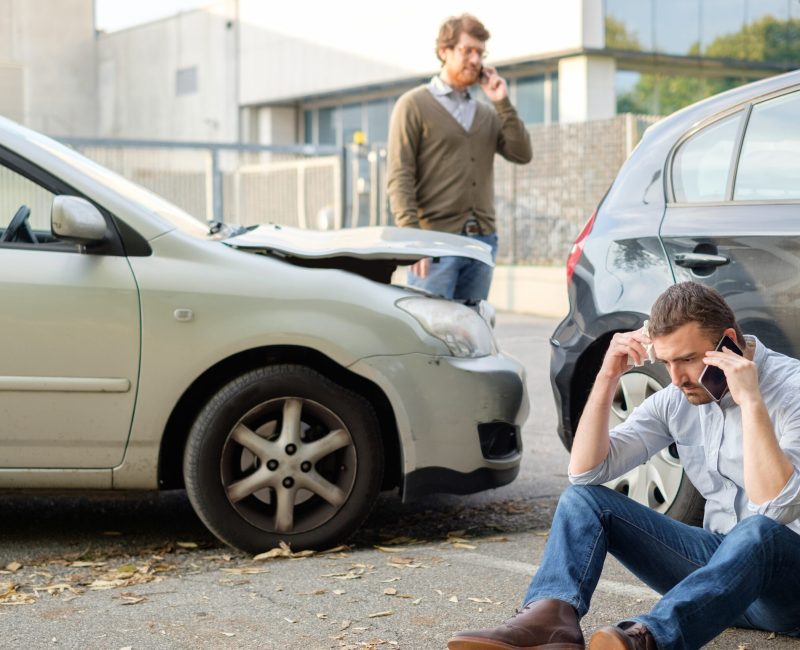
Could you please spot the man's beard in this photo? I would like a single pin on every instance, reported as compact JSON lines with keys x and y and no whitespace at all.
{"x":467,"y":76}
{"x":698,"y":396}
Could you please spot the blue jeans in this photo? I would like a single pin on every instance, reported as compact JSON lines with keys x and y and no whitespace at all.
{"x":748,"y":578}
{"x":459,"y":278}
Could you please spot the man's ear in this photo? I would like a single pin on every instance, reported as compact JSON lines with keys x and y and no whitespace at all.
{"x":730,"y":332}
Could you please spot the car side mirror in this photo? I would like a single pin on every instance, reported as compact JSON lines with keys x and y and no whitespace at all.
{"x":75,"y":219}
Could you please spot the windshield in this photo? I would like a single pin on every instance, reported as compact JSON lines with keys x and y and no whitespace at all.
{"x":182,"y":220}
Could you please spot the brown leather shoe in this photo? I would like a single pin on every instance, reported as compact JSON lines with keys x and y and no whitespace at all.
{"x":623,"y":636}
{"x":542,"y":625}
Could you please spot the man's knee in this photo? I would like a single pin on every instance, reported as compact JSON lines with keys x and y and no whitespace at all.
{"x":582,"y":496}
{"x":754,"y":532}
{"x":757,"y":525}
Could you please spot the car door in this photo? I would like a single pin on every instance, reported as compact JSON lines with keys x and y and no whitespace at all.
{"x":69,"y":335}
{"x":733,"y":215}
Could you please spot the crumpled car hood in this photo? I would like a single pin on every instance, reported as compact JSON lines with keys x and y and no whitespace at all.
{"x":374,"y":251}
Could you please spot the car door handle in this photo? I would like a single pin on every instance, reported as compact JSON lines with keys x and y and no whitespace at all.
{"x":694,"y":260}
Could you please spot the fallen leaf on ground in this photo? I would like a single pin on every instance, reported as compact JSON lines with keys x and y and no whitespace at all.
{"x":10,"y":596}
{"x":453,"y":599}
{"x":247,"y":570}
{"x":391,"y":549}
{"x":402,"y":540}
{"x":390,"y":591}
{"x":481,"y":600}
{"x":388,"y":612}
{"x":186,"y":544}
{"x":13,"y":567}
{"x":282,"y":551}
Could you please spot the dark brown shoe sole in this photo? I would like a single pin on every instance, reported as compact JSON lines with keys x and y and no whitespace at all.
{"x":608,"y":639}
{"x":476,"y":643}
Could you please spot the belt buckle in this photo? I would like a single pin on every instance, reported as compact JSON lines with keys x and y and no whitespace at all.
{"x":472,"y":227}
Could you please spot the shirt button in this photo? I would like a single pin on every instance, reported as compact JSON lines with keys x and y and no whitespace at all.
{"x":474,"y":183}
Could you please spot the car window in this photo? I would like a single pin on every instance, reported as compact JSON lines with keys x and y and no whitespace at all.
{"x":25,"y":212}
{"x":769,"y":167}
{"x":702,"y":164}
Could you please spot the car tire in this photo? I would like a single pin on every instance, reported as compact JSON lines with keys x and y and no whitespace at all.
{"x":283,"y":454}
{"x":660,"y":483}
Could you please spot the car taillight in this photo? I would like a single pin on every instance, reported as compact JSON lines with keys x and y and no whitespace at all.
{"x":577,"y":247}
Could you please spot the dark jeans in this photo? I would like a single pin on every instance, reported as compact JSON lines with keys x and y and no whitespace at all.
{"x":748,"y":578}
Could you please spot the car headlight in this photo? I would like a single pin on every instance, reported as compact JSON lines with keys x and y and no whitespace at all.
{"x":462,"y":329}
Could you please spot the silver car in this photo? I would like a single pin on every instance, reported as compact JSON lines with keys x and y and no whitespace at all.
{"x":276,"y":374}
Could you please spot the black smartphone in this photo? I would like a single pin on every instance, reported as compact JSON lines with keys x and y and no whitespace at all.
{"x":712,"y":378}
{"x":482,"y":76}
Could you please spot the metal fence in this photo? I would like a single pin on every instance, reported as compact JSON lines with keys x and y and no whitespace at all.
{"x":236,"y":183}
{"x":540,"y":206}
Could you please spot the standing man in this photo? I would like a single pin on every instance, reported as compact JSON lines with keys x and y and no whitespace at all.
{"x":742,"y":453}
{"x":441,"y":157}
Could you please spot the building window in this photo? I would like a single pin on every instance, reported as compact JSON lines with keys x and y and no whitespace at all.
{"x":530,"y":101}
{"x":629,"y":24}
{"x":308,"y":127}
{"x":326,"y":126}
{"x":186,"y":81}
{"x":378,"y":112}
{"x":755,"y":30}
{"x":536,"y":98}
{"x":351,"y":122}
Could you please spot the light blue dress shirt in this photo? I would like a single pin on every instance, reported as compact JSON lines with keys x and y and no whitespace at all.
{"x":709,"y":441}
{"x":460,"y":104}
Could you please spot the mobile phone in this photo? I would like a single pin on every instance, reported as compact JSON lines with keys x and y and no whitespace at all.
{"x":482,"y":74}
{"x":712,"y":378}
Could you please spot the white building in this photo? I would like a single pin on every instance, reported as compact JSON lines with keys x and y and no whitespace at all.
{"x":47,"y":65}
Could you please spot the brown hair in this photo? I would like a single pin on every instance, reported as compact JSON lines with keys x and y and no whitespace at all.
{"x":688,"y":302}
{"x":451,"y":29}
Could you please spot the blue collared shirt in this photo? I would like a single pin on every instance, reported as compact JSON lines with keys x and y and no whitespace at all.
{"x":709,"y":441}
{"x":460,"y":104}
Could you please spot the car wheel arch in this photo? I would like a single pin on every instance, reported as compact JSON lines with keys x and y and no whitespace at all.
{"x":176,"y":431}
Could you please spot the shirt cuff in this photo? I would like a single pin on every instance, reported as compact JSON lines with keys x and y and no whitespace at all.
{"x":785,"y":507}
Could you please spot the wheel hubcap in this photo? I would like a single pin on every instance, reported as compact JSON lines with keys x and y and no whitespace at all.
{"x":288,"y":465}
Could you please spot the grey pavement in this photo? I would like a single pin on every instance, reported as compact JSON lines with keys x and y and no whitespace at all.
{"x":140,"y":572}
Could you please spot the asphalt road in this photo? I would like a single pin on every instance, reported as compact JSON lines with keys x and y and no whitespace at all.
{"x":140,"y":572}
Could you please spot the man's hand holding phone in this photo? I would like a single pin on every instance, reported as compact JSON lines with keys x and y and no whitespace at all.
{"x":492,"y":84}
{"x":728,"y":369}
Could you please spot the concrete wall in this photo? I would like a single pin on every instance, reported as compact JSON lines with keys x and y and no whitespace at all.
{"x":47,"y":65}
{"x":138,"y":78}
{"x":538,"y":290}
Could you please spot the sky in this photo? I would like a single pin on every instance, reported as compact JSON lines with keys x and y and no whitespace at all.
{"x":111,"y":15}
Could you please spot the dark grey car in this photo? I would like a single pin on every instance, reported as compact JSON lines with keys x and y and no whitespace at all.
{"x":711,"y":194}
